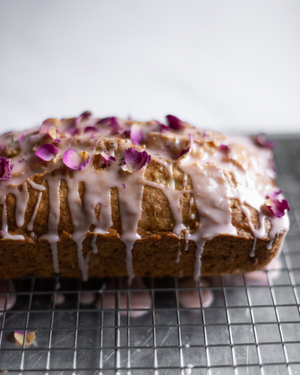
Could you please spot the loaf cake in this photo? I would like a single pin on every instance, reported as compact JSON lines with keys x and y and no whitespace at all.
{"x":86,"y":197}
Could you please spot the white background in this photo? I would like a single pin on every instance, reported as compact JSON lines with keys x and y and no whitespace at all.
{"x":227,"y":65}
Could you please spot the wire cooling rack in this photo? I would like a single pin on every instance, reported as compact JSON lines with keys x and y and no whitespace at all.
{"x":251,"y":328}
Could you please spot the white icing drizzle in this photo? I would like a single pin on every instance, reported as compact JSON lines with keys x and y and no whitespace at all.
{"x":81,"y":227}
{"x":130,"y":212}
{"x":94,"y":244}
{"x":199,"y":251}
{"x":212,"y":173}
{"x":30,"y":224}
{"x":54,"y":216}
{"x":36,"y":186}
{"x":6,"y":234}
{"x":187,"y":238}
{"x":252,"y":254}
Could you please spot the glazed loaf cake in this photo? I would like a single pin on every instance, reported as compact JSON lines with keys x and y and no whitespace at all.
{"x":86,"y":197}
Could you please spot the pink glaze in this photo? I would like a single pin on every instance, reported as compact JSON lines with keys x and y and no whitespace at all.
{"x":242,"y":172}
{"x":190,"y":298}
{"x":139,"y":300}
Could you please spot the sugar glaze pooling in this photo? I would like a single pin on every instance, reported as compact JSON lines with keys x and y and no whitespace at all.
{"x":220,"y":168}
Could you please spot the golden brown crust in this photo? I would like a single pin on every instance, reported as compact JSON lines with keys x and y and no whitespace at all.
{"x":152,"y":256}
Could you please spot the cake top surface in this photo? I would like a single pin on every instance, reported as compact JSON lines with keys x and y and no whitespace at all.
{"x":114,"y":153}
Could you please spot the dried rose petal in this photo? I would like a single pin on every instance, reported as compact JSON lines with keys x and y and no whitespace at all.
{"x":183,"y":152}
{"x":163,"y":128}
{"x":89,"y":129}
{"x":29,"y":338}
{"x":47,"y":152}
{"x":135,"y":160}
{"x":112,"y":122}
{"x":84,"y":116}
{"x":126,"y":133}
{"x":224,"y":148}
{"x":107,"y":158}
{"x":22,"y":138}
{"x":76,"y":159}
{"x":3,"y":147}
{"x":174,"y":122}
{"x":124,"y":186}
{"x":21,"y":160}
{"x":75,"y":131}
{"x":136,"y":134}
{"x":261,"y":141}
{"x":5,"y":168}
{"x":275,"y":206}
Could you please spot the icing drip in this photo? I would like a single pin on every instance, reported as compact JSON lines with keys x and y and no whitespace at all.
{"x":130,"y":212}
{"x":30,"y":224}
{"x":94,"y":244}
{"x":252,"y":254}
{"x":187,"y":238}
{"x":6,"y":234}
{"x":22,"y":198}
{"x":54,"y":215}
{"x":261,"y":231}
{"x":199,"y":251}
{"x":36,"y":186}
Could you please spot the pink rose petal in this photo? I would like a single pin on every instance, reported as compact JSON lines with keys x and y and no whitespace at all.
{"x":76,"y":159}
{"x":135,"y":160}
{"x":84,"y":116}
{"x":136,"y":134}
{"x":224,"y":148}
{"x":276,"y":206}
{"x":174,"y":122}
{"x":22,"y":138}
{"x":89,"y":129}
{"x":125,"y":133}
{"x":75,"y":131}
{"x":112,"y":122}
{"x":124,"y":186}
{"x":107,"y":158}
{"x":47,"y":152}
{"x":5,"y":168}
{"x":261,"y":141}
{"x":163,"y":128}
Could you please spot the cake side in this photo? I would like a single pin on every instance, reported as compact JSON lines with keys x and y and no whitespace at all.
{"x":115,"y":197}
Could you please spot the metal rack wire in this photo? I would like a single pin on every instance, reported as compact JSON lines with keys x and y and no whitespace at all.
{"x":251,"y":328}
